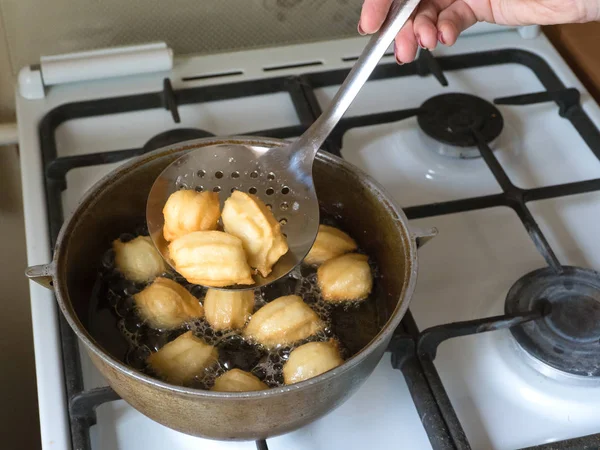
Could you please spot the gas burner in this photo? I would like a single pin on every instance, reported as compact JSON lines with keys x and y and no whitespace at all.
{"x":175,"y":136}
{"x":450,"y":118}
{"x":566,"y":342}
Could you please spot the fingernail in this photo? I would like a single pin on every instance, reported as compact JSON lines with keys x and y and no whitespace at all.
{"x":441,"y":38}
{"x":360,"y":30}
{"x":419,"y":41}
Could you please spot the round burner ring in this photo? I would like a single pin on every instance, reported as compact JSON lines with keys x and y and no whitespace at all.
{"x":568,"y":338}
{"x":450,"y":119}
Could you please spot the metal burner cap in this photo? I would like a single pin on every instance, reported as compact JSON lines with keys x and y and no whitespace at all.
{"x":568,"y":338}
{"x":450,"y":119}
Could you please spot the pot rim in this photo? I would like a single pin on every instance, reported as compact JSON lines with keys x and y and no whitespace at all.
{"x":61,"y":291}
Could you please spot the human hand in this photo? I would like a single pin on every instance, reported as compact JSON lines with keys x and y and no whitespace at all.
{"x":444,"y":20}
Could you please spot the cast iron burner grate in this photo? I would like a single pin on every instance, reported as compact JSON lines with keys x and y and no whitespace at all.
{"x":412,"y":351}
{"x":175,"y":136}
{"x":567,"y":340}
{"x":451,"y":119}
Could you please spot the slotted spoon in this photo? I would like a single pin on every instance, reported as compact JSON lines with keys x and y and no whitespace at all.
{"x":280,"y":176}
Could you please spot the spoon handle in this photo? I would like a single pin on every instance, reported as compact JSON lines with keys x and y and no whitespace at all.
{"x":313,"y":137}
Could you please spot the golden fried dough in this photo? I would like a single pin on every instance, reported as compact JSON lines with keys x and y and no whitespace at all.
{"x":347,"y":277}
{"x":138,"y":260}
{"x":167,"y":304}
{"x":330,"y":243}
{"x":187,"y":210}
{"x":282,"y":322}
{"x":228,"y":310}
{"x":211,"y":258}
{"x":236,"y":380}
{"x":248,"y":218}
{"x":184,"y":358}
{"x":310,"y":360}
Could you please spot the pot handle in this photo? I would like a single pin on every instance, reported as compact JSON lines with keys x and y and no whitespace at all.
{"x":424,"y":236}
{"x":42,"y":274}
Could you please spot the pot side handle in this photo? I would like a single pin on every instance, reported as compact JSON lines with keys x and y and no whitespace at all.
{"x":423,"y":236}
{"x":42,"y":274}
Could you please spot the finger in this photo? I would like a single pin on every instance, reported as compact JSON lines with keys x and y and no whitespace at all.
{"x":372,"y":15}
{"x":424,"y":25}
{"x":426,"y":22}
{"x":405,"y":44}
{"x":453,"y":20}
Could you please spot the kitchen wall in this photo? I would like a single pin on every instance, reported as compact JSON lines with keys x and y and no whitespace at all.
{"x":7,"y":108}
{"x":34,"y":27}
{"x":31,"y":28}
{"x":19,"y":423}
{"x":19,"y":426}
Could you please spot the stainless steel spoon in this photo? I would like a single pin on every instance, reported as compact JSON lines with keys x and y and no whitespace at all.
{"x":280,"y":176}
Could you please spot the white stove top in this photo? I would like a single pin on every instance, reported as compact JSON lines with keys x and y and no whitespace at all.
{"x":493,"y":390}
{"x":464,"y":273}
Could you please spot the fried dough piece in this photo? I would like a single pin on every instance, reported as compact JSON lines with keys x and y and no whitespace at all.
{"x":310,"y":360}
{"x":166,"y":304}
{"x":236,"y":380}
{"x":248,"y":218}
{"x":181,"y":360}
{"x":282,"y":322}
{"x":138,"y":260}
{"x":228,"y":310}
{"x":211,"y":258}
{"x":187,"y":210}
{"x":347,"y":277}
{"x":330,"y":242}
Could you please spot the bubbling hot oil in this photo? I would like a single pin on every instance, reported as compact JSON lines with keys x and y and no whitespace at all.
{"x":352,"y":324}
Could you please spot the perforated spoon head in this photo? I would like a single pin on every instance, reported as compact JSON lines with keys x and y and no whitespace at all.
{"x":280,"y":176}
{"x":262,"y":171}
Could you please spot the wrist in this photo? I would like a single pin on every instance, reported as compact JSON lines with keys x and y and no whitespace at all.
{"x":591,"y":11}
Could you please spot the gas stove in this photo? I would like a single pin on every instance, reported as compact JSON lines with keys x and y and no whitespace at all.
{"x":494,"y":142}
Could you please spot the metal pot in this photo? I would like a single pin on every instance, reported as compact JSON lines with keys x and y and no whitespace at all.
{"x":117,"y":204}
